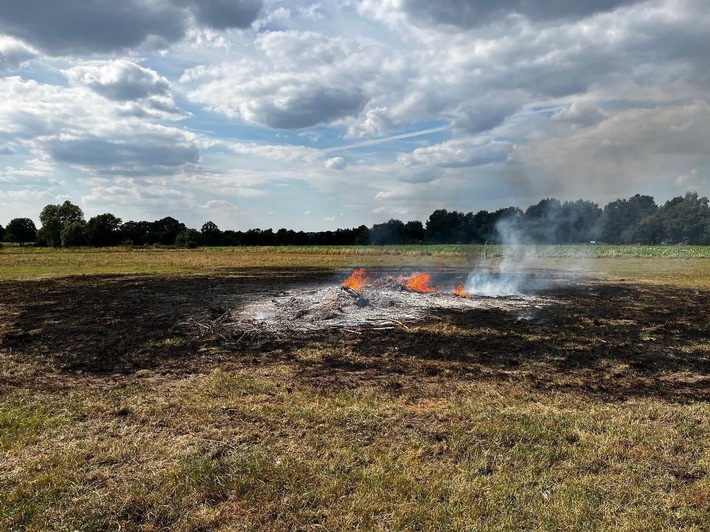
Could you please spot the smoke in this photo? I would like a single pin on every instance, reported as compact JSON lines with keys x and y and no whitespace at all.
{"x":505,"y":275}
{"x":522,"y":264}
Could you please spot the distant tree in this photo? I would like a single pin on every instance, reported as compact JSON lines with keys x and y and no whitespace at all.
{"x":232,"y":238}
{"x":211,"y":235}
{"x":687,"y":219}
{"x":413,"y":232}
{"x":54,"y":218}
{"x":188,"y":238}
{"x":577,"y":221}
{"x":103,"y":230}
{"x":507,"y":226}
{"x":136,"y":233}
{"x":21,"y":231}
{"x":165,"y":230}
{"x":649,"y":231}
{"x":390,"y":232}
{"x":361,"y":235}
{"x":252,"y":237}
{"x":73,"y":234}
{"x":542,"y":221}
{"x":444,"y":227}
{"x":620,"y":215}
{"x":2,"y":233}
{"x":681,"y":220}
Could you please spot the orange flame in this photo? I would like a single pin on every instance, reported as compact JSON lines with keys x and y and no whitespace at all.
{"x":357,"y":280}
{"x":419,"y":282}
{"x":459,"y":291}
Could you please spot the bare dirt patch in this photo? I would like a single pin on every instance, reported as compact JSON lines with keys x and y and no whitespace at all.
{"x":612,"y":340}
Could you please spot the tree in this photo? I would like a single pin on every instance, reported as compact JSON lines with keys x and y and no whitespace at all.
{"x":507,"y":226}
{"x":21,"y":231}
{"x":390,"y":232}
{"x":103,"y":230}
{"x":681,"y":220}
{"x":211,"y":235}
{"x":444,"y":227}
{"x":54,"y":218}
{"x":189,"y":238}
{"x":542,"y":221}
{"x":136,"y":233}
{"x":2,"y":233}
{"x":165,"y":230}
{"x":413,"y":232}
{"x":73,"y":234}
{"x":620,"y":215}
{"x":577,"y":221}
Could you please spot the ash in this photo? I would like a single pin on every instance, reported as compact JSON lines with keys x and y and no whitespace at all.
{"x":383,"y":304}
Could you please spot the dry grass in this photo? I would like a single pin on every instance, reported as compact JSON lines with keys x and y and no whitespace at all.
{"x":249,"y":449}
{"x":255,"y":446}
{"x":686,"y":266}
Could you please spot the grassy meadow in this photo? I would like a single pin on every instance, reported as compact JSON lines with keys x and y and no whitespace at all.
{"x":245,"y":442}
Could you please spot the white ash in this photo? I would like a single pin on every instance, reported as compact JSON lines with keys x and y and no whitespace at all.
{"x":381,"y":304}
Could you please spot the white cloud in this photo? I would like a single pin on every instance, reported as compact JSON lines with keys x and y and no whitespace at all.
{"x":13,"y":53}
{"x":77,"y":127}
{"x":335,"y":163}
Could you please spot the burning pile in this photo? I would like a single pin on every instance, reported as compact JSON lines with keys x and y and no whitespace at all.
{"x":365,"y":299}
{"x":416,"y":282}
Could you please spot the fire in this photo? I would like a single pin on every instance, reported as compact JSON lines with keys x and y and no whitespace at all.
{"x":459,"y":291}
{"x":419,"y":282}
{"x":357,"y":280}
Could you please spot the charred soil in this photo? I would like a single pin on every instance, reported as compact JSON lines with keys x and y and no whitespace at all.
{"x":611,"y":340}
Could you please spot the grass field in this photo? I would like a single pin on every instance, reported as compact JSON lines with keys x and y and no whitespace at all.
{"x":591,"y":416}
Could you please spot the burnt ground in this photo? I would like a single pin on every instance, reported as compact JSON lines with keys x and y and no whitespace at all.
{"x":612,"y":340}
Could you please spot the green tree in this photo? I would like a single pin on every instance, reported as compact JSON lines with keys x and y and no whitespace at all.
{"x":211,"y":235}
{"x":73,"y":234}
{"x":390,"y":232}
{"x":444,"y":227}
{"x":542,"y":221}
{"x":413,"y":232}
{"x":681,"y":220}
{"x":620,"y":215}
{"x":2,"y":233}
{"x":103,"y":230}
{"x":21,"y":231}
{"x":188,"y":238}
{"x":165,"y":230}
{"x":54,"y":218}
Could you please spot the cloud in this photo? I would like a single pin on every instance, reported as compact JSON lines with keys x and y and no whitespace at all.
{"x":119,"y":80}
{"x":336,"y":163}
{"x":474,"y":13}
{"x":76,"y":126}
{"x":581,"y":112}
{"x":13,"y":53}
{"x":223,"y":14}
{"x":141,"y":149}
{"x":302,"y":79}
{"x":100,"y":26}
{"x":459,"y":153}
{"x":141,"y":91}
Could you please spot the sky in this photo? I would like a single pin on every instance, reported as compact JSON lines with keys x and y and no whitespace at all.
{"x":315,"y":115}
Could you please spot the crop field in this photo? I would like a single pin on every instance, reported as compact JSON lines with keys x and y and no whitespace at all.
{"x":128,"y":400}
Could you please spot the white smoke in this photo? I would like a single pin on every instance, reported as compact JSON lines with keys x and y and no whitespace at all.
{"x":505,"y":275}
{"x":519,"y":266}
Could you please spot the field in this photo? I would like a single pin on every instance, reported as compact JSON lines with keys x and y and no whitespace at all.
{"x":591,"y":413}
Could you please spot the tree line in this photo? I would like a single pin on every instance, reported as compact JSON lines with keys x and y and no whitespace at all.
{"x":635,"y":220}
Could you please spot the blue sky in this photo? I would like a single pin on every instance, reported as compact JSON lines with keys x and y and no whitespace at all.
{"x":315,"y":115}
